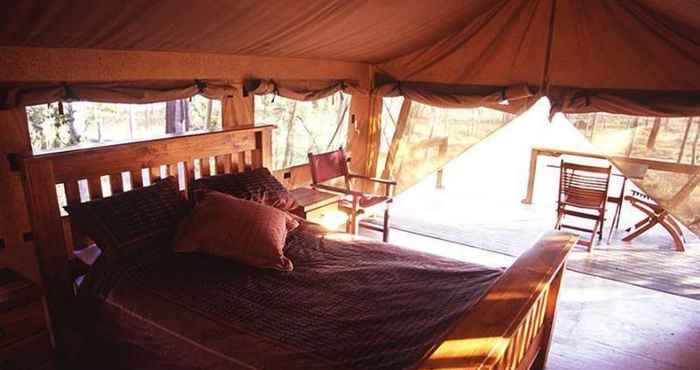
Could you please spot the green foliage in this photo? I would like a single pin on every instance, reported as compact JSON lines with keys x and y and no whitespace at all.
{"x":100,"y":123}
{"x":51,"y":129}
{"x":303,"y":127}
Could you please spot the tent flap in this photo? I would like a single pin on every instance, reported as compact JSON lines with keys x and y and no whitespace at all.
{"x":139,"y":92}
{"x":634,"y":103}
{"x":512,"y":99}
{"x":302,"y":90}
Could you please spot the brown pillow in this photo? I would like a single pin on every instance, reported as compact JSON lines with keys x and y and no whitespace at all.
{"x":129,"y":223}
{"x":237,"y":229}
{"x":257,"y":185}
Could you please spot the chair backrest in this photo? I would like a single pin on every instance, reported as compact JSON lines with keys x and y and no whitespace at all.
{"x":583,"y":184}
{"x":328,"y":166}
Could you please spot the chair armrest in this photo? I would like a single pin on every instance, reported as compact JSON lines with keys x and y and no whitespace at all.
{"x":375,"y":179}
{"x":338,"y":190}
{"x":389,"y":184}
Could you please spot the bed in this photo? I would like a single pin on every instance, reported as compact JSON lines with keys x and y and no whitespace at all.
{"x":349,"y":304}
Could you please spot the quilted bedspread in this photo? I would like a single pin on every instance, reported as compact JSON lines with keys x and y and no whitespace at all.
{"x":353,"y":304}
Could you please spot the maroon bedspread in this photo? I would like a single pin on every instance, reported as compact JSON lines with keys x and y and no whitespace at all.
{"x":346,"y":305}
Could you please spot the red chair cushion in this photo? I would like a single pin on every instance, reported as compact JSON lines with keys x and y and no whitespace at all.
{"x":328,"y":166}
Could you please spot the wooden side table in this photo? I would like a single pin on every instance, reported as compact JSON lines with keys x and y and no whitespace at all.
{"x":25,"y":342}
{"x":316,"y":205}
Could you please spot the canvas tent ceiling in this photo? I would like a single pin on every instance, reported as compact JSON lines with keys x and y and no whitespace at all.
{"x":360,"y":31}
{"x":595,"y":44}
{"x":634,"y":56}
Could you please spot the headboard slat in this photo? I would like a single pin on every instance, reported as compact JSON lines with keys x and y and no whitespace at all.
{"x":70,"y":236}
{"x":154,"y":174}
{"x":205,"y":167}
{"x":242,"y":165}
{"x":189,"y":172}
{"x":221,"y":164}
{"x":137,"y":179}
{"x":235,"y":167}
{"x":172,"y":169}
{"x":95,"y":187}
{"x":72,"y":192}
{"x":116,"y":183}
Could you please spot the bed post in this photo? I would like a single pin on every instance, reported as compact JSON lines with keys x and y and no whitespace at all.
{"x":262,"y":155}
{"x":511,"y":326}
{"x":48,"y":236}
{"x":548,"y":324}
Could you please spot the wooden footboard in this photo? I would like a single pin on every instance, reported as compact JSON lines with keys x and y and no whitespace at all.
{"x":511,"y":327}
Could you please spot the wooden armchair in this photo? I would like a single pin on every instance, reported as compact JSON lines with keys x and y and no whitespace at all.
{"x":334,"y":165}
{"x":583,"y":193}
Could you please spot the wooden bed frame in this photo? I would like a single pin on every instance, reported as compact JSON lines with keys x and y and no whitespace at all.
{"x":510,"y":328}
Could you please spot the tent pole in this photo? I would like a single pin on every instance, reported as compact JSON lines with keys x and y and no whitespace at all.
{"x":695,"y":144}
{"x":544,"y":85}
{"x":685,"y":138}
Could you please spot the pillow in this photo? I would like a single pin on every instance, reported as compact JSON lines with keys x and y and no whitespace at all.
{"x":257,"y":185}
{"x":237,"y":229}
{"x":128,"y":223}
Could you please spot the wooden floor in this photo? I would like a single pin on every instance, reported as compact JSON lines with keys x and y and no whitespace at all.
{"x":601,"y":324}
{"x":650,"y":262}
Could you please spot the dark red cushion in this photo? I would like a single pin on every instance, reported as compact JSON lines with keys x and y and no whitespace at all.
{"x":240,"y":230}
{"x":257,"y":185}
{"x":328,"y":166}
{"x":127,"y":223}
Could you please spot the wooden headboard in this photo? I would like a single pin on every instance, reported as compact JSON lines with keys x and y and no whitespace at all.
{"x":52,"y":180}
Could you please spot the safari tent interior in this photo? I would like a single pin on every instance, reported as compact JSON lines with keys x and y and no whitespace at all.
{"x":516,"y":185}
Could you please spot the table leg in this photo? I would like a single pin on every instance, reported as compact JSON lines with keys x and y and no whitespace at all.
{"x":531,"y":177}
{"x":677,"y":238}
{"x":649,"y":224}
{"x":618,"y":212}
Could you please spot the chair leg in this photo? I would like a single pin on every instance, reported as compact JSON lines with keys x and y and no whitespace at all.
{"x":594,"y":234}
{"x":385,"y":236}
{"x":616,"y":220}
{"x":557,"y":225}
{"x":352,"y":225}
{"x":602,"y":225}
{"x":355,"y":224}
{"x":618,"y":214}
{"x":612,"y":228}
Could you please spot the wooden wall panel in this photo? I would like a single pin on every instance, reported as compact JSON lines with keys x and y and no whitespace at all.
{"x":14,"y":219}
{"x":364,"y":135}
